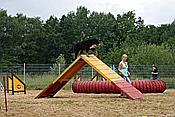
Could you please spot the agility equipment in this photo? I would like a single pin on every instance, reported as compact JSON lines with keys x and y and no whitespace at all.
{"x":96,"y":78}
{"x":1,"y":87}
{"x":144,"y":86}
{"x":149,"y":86}
{"x":104,"y":70}
{"x":14,"y":84}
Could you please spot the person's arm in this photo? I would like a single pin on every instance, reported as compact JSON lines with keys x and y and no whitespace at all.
{"x":119,"y":68}
{"x":129,"y":71}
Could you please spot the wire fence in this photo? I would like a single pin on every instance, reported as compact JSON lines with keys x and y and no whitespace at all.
{"x":37,"y":76}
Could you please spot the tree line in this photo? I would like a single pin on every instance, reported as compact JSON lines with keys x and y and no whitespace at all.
{"x":32,"y":40}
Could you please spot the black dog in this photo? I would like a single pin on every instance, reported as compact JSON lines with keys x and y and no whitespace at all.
{"x":90,"y":44}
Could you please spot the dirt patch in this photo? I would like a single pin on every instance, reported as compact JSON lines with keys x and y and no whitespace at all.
{"x":68,"y":104}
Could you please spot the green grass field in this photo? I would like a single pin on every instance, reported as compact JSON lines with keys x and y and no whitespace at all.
{"x":39,"y":82}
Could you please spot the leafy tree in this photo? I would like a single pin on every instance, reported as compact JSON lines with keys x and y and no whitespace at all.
{"x":28,"y":48}
{"x":152,"y":54}
{"x":32,"y":40}
{"x":54,"y":44}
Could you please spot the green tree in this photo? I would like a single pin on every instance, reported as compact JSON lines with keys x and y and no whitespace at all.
{"x":30,"y":40}
{"x":54,"y":44}
{"x":152,"y":54}
{"x":28,"y":48}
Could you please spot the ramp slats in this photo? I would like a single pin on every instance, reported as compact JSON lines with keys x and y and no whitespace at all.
{"x":126,"y":88}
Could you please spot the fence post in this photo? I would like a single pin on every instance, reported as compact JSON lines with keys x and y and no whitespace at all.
{"x":92,"y":72}
{"x":24,"y":73}
{"x":59,"y":68}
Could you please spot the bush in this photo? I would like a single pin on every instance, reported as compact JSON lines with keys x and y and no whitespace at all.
{"x":141,"y":55}
{"x":56,"y":66}
{"x":152,"y":54}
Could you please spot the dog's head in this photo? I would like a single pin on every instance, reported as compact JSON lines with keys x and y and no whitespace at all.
{"x":94,"y":43}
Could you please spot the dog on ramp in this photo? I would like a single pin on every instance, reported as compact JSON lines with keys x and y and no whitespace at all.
{"x":86,"y":45}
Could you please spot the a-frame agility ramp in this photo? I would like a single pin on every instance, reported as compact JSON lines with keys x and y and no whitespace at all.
{"x":110,"y":75}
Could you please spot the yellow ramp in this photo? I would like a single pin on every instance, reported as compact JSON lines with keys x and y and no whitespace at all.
{"x":105,"y":71}
{"x":102,"y":68}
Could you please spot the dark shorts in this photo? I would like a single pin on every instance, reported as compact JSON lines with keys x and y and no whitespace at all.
{"x":154,"y":77}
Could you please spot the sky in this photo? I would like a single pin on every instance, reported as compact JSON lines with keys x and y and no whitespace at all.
{"x":153,"y":12}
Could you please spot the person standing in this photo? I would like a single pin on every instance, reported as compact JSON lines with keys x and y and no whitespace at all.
{"x":154,"y":72}
{"x":123,"y":68}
